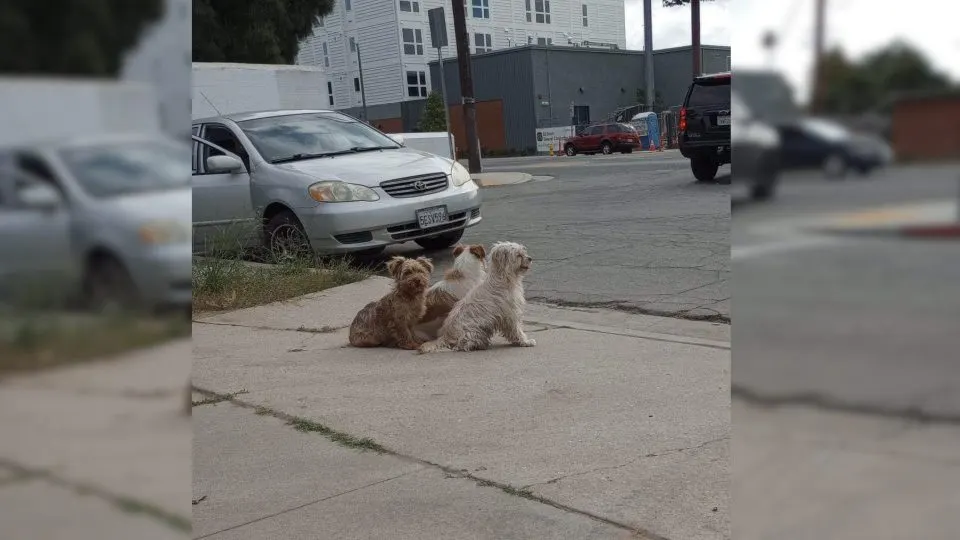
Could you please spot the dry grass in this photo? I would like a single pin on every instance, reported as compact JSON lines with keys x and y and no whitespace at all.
{"x":30,"y":342}
{"x":226,"y":284}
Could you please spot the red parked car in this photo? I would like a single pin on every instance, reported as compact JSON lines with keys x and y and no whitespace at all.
{"x":604,"y":138}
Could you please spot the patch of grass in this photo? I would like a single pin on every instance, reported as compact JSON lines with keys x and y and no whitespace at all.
{"x":217,"y":398}
{"x":226,"y":279}
{"x":32,"y":341}
{"x":363,"y":444}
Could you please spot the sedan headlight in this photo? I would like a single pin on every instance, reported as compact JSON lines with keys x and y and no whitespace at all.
{"x":459,"y":175}
{"x":164,"y":232}
{"x":332,"y":192}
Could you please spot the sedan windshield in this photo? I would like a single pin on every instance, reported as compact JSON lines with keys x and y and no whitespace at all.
{"x":124,"y":168}
{"x":294,"y":137}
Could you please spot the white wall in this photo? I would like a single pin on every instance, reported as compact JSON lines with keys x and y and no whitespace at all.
{"x":38,"y":108}
{"x":231,"y":88}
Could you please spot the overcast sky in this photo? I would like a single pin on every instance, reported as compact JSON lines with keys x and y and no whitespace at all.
{"x":857,"y":26}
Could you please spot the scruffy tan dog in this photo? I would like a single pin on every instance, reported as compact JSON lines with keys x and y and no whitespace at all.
{"x":469,"y":269}
{"x":389,"y":322}
{"x":493,"y":306}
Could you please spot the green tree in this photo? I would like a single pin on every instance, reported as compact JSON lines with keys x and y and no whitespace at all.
{"x":658,"y":104}
{"x":434,"y":117}
{"x":72,"y":37}
{"x":853,"y":87}
{"x":253,"y":31}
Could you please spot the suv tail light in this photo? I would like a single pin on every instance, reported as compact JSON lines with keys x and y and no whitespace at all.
{"x":683,"y":119}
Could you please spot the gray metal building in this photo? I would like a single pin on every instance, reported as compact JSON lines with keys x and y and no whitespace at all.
{"x":548,"y":86}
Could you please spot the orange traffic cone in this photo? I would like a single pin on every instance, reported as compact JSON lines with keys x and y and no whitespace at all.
{"x":652,"y":148}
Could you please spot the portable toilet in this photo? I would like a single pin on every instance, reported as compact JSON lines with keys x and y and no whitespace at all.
{"x":648,"y":127}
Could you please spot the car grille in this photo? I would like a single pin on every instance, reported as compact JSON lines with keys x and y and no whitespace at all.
{"x":475,"y":213}
{"x":415,"y":186}
{"x":354,"y":238}
{"x":413,"y":230}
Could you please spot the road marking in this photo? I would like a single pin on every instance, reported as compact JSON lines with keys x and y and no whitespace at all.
{"x":780,"y":246}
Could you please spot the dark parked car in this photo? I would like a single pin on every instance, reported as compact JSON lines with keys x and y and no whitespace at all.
{"x":604,"y":138}
{"x":705,"y":125}
{"x":813,"y":143}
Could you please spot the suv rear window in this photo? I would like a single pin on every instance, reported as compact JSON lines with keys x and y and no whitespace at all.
{"x":710,"y":94}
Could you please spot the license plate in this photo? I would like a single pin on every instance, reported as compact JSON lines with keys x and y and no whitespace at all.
{"x":431,"y":217}
{"x":723,"y":120}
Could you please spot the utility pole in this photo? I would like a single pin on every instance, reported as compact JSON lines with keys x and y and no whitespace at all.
{"x":363,"y":89}
{"x":816,"y":100}
{"x":438,"y":35}
{"x":695,"y":35}
{"x":466,"y":85}
{"x":648,"y":51}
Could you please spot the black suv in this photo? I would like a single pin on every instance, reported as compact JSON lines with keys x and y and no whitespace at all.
{"x":705,"y":125}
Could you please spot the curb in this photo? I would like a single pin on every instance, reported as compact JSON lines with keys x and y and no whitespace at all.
{"x":498,"y":179}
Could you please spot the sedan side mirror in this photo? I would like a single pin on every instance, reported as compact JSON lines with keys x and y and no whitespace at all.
{"x":223,"y":164}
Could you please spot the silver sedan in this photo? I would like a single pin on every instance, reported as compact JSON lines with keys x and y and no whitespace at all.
{"x":108,"y":217}
{"x":323,"y":181}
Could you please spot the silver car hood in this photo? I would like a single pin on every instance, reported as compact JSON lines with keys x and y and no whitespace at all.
{"x":371,"y":168}
{"x":173,"y":205}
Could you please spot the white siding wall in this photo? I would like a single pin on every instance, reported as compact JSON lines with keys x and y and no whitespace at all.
{"x":380,"y":36}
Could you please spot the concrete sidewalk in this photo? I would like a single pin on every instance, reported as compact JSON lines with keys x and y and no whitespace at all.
{"x":815,"y":473}
{"x":98,"y":450}
{"x":614,"y":426}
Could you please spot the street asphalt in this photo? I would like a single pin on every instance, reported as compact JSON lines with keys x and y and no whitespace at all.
{"x":858,"y":323}
{"x":629,"y":232}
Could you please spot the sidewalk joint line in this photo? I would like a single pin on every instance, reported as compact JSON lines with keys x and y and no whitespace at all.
{"x":819,"y":401}
{"x":306,"y":329}
{"x":637,"y":334}
{"x":343,"y":438}
{"x":124,"y":503}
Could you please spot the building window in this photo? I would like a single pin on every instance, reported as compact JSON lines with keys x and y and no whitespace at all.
{"x":347,"y":4}
{"x":416,"y":84}
{"x":584,"y":10}
{"x":356,"y":84}
{"x":330,"y":92}
{"x":353,"y":45}
{"x":541,"y":12}
{"x":481,"y":9}
{"x":326,"y":55}
{"x":482,"y":43}
{"x":409,"y":6}
{"x":544,"y":41}
{"x":412,"y":41}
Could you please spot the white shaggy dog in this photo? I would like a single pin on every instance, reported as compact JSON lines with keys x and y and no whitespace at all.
{"x":495,"y":305}
{"x":469,"y":269}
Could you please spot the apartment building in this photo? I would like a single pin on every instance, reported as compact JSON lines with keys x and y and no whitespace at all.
{"x":393,"y":40}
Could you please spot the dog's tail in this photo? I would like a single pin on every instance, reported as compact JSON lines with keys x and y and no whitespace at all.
{"x":432,"y":346}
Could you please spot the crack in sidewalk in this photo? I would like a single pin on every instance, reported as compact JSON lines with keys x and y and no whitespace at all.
{"x":306,"y":504}
{"x":344,"y":438}
{"x":122,"y":502}
{"x":630,"y":462}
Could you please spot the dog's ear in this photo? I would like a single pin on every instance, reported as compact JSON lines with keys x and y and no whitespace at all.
{"x":458,"y":250}
{"x":426,"y":263}
{"x":479,"y":251}
{"x":394,"y":265}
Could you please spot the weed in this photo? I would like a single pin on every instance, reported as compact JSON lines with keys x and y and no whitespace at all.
{"x":217,"y":398}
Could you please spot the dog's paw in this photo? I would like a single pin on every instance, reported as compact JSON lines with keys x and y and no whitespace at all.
{"x":529,"y":342}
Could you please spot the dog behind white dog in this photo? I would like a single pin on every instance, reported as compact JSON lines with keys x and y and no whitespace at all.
{"x":469,"y":269}
{"x":493,"y":306}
